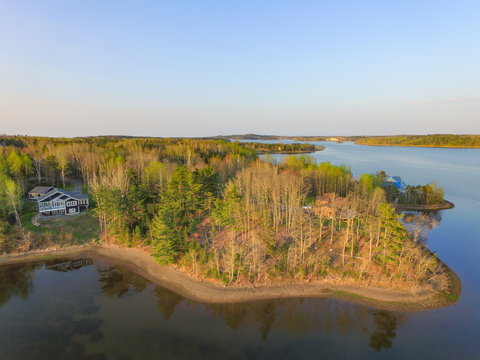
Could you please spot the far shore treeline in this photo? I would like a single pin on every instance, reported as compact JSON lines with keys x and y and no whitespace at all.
{"x":283,"y":148}
{"x":432,"y":140}
{"x":440,"y":140}
{"x":215,"y":209}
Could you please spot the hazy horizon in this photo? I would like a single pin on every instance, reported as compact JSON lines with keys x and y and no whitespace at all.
{"x":189,"y":69}
{"x":228,"y":135}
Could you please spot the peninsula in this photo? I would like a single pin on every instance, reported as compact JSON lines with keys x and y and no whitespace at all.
{"x":232,"y":226}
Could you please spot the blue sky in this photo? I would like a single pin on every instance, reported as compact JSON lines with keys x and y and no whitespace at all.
{"x":198,"y":68}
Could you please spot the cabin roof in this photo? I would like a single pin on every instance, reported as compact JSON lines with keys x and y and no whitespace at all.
{"x":41,"y":189}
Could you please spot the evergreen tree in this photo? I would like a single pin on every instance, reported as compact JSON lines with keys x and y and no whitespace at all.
{"x":178,"y":212}
{"x":394,"y":234}
{"x":227,"y":212}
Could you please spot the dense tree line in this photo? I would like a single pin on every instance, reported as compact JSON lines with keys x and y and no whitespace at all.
{"x":273,"y":137}
{"x":212,"y":207}
{"x":446,"y":140}
{"x":125,"y":177}
{"x":13,"y":169}
{"x":282,"y":148}
{"x":262,"y":233}
{"x":429,"y":194}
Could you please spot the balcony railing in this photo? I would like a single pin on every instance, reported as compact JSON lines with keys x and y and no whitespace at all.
{"x":51,"y":208}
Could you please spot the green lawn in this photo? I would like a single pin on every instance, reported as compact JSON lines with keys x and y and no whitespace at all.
{"x":29,"y":210}
{"x":62,"y":230}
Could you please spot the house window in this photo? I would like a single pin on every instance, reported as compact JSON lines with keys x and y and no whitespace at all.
{"x":72,"y":211}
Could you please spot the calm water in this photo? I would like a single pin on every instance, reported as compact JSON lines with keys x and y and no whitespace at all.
{"x":97,"y":310}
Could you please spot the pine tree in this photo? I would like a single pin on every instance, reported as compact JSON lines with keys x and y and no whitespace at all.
{"x":178,"y":212}
{"x":394,"y":234}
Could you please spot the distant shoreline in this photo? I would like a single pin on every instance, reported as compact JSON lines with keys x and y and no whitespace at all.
{"x":142,"y":263}
{"x":423,"y":146}
{"x":288,"y":152}
{"x":358,"y":143}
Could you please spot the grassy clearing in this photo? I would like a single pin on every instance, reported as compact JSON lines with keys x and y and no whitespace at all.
{"x":29,"y":210}
{"x":61,"y":230}
{"x":79,"y":229}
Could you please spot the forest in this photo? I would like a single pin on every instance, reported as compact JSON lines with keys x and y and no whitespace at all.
{"x":434,"y":140}
{"x":272,"y":137}
{"x":214,"y":209}
{"x":283,"y":148}
{"x":428,"y":194}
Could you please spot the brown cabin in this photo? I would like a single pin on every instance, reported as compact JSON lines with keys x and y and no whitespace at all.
{"x":330,"y":204}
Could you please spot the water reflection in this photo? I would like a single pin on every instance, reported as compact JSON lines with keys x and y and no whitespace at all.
{"x":262,"y":312}
{"x":419,"y":224}
{"x":55,"y":320}
{"x":69,"y":265}
{"x":385,"y":326}
{"x":295,"y":316}
{"x":300,"y":317}
{"x":16,"y":280}
{"x":69,"y":319}
{"x":167,"y":301}
{"x":117,"y":281}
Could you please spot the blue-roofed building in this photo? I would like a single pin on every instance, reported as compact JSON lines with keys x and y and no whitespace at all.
{"x":396,"y":181}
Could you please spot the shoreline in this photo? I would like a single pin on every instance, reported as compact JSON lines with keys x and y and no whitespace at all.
{"x":143,"y":264}
{"x":286,"y":152}
{"x":445,"y":205}
{"x":423,"y":146}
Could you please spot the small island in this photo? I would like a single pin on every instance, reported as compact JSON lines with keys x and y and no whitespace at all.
{"x":212,"y":221}
{"x":280,"y":148}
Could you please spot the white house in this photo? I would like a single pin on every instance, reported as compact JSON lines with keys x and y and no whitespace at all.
{"x":61,"y":202}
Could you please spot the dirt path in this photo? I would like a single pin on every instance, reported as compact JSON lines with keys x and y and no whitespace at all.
{"x":142,"y":263}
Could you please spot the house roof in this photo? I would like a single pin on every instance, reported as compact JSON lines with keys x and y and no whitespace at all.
{"x":41,"y":189}
{"x":397,"y":181}
{"x":62,"y":194}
